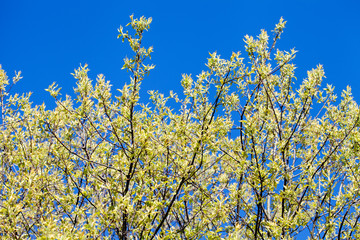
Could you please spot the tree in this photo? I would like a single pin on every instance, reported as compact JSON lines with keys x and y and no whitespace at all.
{"x":248,"y":154}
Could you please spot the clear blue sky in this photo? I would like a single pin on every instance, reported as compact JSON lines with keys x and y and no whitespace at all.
{"x":46,"y":40}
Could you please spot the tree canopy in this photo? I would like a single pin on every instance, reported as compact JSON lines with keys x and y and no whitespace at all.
{"x":245,"y":152}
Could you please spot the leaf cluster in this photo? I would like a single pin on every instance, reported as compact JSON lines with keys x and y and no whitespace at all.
{"x":249,"y":155}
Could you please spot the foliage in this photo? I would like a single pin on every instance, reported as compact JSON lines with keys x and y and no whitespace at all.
{"x":248,"y":154}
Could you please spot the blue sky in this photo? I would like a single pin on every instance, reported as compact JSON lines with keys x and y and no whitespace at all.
{"x":46,"y":40}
